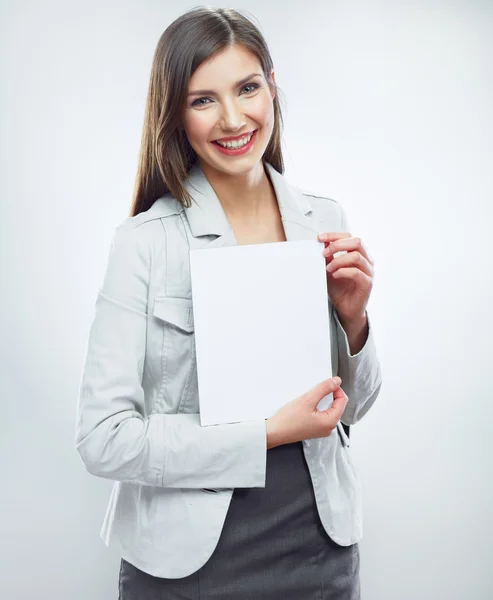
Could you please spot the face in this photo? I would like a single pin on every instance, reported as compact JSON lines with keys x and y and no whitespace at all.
{"x":229,"y":112}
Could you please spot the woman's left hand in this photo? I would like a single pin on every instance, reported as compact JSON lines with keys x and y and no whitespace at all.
{"x":349,"y":276}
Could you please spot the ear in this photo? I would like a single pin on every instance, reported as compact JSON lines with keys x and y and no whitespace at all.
{"x":272,"y":89}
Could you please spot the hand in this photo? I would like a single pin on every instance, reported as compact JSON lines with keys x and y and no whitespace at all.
{"x":349,"y":276}
{"x":301,"y":420}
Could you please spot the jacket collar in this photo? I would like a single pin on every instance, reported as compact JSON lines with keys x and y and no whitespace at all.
{"x":206,"y":215}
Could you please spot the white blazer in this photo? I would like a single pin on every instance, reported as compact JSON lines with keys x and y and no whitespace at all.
{"x":138,"y":411}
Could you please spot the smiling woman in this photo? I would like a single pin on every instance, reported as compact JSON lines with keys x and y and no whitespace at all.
{"x":242,"y":108}
{"x":263,"y":509}
{"x":212,"y":94}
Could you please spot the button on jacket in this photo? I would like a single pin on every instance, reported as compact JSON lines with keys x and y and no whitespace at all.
{"x":138,"y":410}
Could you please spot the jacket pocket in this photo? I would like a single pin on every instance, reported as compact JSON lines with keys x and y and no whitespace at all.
{"x":176,"y":311}
{"x":174,"y":326}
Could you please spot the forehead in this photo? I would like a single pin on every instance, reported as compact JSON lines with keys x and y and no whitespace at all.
{"x":225,"y":68}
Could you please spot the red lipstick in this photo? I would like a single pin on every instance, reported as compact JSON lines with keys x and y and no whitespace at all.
{"x":235,"y":151}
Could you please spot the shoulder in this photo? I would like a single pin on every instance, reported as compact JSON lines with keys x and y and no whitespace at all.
{"x":164,"y":207}
{"x":317,"y":199}
{"x":323,"y":206}
{"x":142,"y":228}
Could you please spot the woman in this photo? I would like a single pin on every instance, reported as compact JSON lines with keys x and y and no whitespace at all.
{"x":264,"y":509}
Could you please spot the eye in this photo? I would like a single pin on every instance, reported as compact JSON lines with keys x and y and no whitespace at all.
{"x":250,"y":87}
{"x":200,"y":102}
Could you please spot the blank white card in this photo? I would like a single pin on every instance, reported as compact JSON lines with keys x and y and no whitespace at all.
{"x":262,"y":331}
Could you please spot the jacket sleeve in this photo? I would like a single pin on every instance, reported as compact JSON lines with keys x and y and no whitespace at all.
{"x":115,"y":437}
{"x":360,"y":373}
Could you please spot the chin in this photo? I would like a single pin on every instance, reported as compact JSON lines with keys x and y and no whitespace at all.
{"x":236,"y":166}
{"x":238,"y":169}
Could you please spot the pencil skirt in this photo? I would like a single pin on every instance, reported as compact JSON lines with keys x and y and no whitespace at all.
{"x":273,"y":546}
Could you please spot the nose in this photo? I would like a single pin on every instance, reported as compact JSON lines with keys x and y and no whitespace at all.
{"x":232,"y":118}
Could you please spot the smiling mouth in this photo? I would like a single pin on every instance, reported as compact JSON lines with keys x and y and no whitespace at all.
{"x":236,"y":143}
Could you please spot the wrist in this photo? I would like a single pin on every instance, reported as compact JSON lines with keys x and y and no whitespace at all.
{"x":356,"y":331}
{"x":354,"y":323}
{"x":273,"y":437}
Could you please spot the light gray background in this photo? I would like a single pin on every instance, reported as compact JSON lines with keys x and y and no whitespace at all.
{"x":388,"y":110}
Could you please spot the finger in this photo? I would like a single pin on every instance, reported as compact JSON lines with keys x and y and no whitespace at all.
{"x":331,"y":236}
{"x":351,"y":259}
{"x":347,"y":245}
{"x":322,"y":389}
{"x":362,"y":280}
{"x":340,"y":393}
{"x":338,"y":405}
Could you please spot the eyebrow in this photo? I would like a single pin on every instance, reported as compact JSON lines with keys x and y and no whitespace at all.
{"x":237,"y":84}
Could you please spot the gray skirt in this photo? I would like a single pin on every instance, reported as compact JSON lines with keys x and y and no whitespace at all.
{"x":273,"y":546}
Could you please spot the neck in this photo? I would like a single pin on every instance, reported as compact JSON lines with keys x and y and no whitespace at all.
{"x":243,"y":196}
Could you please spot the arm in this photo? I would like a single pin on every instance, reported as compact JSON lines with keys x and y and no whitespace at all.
{"x":356,"y":332}
{"x":360,"y":373}
{"x":115,"y":437}
{"x":358,"y":366}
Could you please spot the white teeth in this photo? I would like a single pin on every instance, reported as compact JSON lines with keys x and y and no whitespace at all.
{"x":236,"y":143}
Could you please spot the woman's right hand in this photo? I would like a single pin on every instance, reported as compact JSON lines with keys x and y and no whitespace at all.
{"x":301,"y":420}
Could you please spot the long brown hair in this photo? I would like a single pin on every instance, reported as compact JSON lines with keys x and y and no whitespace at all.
{"x":166,"y":156}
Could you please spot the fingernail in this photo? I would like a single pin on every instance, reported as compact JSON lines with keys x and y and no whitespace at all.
{"x":323,"y":236}
{"x":336,"y":380}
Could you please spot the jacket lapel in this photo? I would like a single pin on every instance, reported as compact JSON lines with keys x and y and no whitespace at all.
{"x":206,"y":215}
{"x":296,"y":212}
{"x":208,"y":220}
